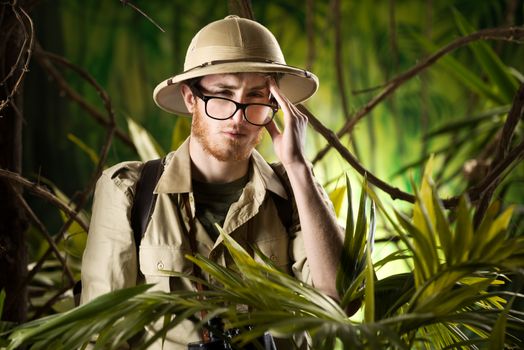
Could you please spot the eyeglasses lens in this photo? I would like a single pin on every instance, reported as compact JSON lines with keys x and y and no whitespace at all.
{"x":220,"y":108}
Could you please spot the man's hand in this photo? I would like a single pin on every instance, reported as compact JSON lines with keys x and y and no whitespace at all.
{"x":322,"y":236}
{"x":289,"y":144}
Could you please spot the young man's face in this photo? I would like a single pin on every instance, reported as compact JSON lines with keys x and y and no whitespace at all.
{"x":233,"y":138}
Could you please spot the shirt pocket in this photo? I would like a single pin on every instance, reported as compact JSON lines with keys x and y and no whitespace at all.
{"x":276,"y":248}
{"x":163,"y":261}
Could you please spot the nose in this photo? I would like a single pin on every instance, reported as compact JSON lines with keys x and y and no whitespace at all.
{"x":238,"y":117}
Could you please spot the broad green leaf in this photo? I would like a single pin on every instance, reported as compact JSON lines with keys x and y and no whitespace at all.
{"x":345,"y":269}
{"x":337,"y":198}
{"x":487,"y":220}
{"x":400,"y":255}
{"x":425,"y":202}
{"x":53,"y":323}
{"x":443,"y":228}
{"x":452,"y":301}
{"x":424,"y":218}
{"x":421,"y":248}
{"x":74,"y":244}
{"x":499,"y":333}
{"x":350,"y":293}
{"x":491,"y":234}
{"x":353,"y":253}
{"x":146,"y":146}
{"x":358,"y":243}
{"x":482,"y":231}
{"x":500,"y":224}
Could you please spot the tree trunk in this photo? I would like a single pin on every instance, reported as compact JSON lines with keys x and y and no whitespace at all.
{"x":13,"y":250}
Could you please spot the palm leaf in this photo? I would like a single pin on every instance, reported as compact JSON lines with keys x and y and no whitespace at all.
{"x":491,"y":64}
{"x":356,"y":243}
{"x":145,"y":144}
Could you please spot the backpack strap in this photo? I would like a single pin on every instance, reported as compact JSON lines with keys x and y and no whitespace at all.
{"x":145,"y":199}
{"x":142,"y":208}
{"x":284,"y":206}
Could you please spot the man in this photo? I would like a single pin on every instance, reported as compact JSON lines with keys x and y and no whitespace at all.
{"x":230,"y":89}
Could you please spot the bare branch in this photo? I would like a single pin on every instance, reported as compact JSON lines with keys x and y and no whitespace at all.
{"x":128,"y":3}
{"x":41,"y":227}
{"x":28,"y":37}
{"x":242,"y":8}
{"x":47,"y":306}
{"x":82,"y":198}
{"x":41,"y":192}
{"x":111,"y":124}
{"x":515,"y":114}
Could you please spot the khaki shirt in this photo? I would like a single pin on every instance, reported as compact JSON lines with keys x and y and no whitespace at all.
{"x":110,"y":260}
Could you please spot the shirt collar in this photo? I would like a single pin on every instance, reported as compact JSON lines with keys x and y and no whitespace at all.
{"x":176,"y":177}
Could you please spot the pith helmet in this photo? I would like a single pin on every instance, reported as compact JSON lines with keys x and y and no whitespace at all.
{"x":234,"y":45}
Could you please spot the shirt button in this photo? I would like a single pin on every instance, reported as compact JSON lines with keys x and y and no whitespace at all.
{"x":160,"y":265}
{"x":273,"y":258}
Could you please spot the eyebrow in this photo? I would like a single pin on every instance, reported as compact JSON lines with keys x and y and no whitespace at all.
{"x":235,"y":87}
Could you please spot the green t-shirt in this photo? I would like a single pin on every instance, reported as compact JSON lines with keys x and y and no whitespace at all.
{"x":212,"y":202}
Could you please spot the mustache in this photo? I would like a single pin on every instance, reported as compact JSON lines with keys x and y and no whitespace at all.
{"x":235,"y":129}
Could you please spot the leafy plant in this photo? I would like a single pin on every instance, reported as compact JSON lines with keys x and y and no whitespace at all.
{"x":451,"y":297}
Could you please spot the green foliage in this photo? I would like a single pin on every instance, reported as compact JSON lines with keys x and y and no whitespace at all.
{"x":4,"y":326}
{"x":357,"y":247}
{"x":497,"y":72}
{"x":451,"y":297}
{"x":453,"y":110}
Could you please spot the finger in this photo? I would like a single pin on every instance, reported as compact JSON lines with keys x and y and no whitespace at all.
{"x":273,"y":129}
{"x":282,"y":100}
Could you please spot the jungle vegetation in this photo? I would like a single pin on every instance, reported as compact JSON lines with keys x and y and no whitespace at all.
{"x":416,"y":134}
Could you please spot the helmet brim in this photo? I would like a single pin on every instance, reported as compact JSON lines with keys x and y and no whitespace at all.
{"x":296,"y":84}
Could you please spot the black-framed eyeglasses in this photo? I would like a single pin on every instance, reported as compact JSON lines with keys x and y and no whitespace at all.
{"x":221,"y":108}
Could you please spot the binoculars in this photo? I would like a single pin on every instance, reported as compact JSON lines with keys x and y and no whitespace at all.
{"x":219,"y":339}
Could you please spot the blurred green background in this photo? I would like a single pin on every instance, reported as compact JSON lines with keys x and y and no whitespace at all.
{"x":453,"y":110}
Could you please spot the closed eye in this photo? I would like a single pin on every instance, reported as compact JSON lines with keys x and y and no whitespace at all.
{"x":257,"y":94}
{"x":218,"y":93}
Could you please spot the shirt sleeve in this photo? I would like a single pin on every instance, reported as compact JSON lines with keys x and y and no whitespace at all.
{"x":109,"y":261}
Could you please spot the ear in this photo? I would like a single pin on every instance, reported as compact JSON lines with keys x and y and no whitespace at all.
{"x":189,"y":98}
